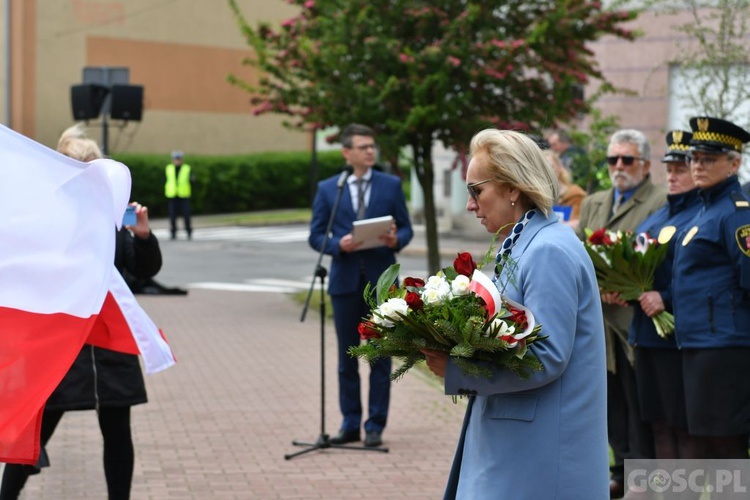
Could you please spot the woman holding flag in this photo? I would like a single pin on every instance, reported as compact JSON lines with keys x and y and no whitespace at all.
{"x":544,"y":436}
{"x":101,"y":379}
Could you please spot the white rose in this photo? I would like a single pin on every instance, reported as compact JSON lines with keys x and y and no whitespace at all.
{"x":435,"y":282}
{"x":399,"y":306}
{"x":460,"y":285}
{"x":434,"y":296}
{"x":388,"y":312}
{"x":382,"y":321}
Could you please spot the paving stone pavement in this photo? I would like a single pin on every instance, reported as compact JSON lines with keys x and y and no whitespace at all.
{"x":246,"y":384}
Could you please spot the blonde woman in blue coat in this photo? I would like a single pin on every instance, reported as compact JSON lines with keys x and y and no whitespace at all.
{"x":544,"y":437}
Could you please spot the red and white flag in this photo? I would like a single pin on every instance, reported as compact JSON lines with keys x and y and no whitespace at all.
{"x":57,"y":244}
{"x":482,"y":285}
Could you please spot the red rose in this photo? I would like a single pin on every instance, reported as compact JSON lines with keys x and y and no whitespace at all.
{"x":413,"y":301}
{"x":600,"y":237}
{"x":464,"y":264}
{"x":366,"y":331}
{"x":414,"y":282}
{"x":518,"y":317}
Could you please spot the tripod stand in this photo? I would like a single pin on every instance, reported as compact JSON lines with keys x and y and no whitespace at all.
{"x":324,"y":441}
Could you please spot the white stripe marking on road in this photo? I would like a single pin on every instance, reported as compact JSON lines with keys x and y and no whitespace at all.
{"x":241,"y":287}
{"x":237,"y":233}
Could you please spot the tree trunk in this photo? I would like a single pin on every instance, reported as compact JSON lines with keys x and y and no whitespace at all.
{"x":422,"y":149}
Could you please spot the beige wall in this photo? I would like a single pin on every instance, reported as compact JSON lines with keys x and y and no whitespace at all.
{"x":643,"y":67}
{"x":180,"y":51}
{"x":23,"y":65}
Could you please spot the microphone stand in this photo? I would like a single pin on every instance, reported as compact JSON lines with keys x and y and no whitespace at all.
{"x":323,"y":442}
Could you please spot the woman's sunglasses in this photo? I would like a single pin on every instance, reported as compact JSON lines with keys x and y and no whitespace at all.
{"x":473,"y":191}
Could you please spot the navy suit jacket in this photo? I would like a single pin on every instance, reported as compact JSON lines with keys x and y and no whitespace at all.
{"x":386,"y":198}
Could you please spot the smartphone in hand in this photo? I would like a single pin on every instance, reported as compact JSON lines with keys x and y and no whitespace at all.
{"x":129,"y":219}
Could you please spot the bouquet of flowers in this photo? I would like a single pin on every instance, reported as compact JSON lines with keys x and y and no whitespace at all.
{"x":458,"y":311}
{"x":625,"y":263}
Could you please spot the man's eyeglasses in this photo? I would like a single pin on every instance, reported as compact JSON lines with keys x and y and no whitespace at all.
{"x":707,"y":161}
{"x":626,"y":160}
{"x":473,"y":191}
{"x":363,"y":147}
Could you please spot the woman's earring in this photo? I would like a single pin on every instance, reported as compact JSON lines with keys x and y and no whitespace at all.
{"x":512,"y":203}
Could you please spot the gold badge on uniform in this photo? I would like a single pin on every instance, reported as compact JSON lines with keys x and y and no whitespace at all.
{"x":666,"y":234}
{"x":742,"y":235}
{"x":689,"y":236}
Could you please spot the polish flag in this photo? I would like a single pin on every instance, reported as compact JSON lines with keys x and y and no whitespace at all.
{"x":482,"y":285}
{"x":123,"y":326}
{"x":57,"y":244}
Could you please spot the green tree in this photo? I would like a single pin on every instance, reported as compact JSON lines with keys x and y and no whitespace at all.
{"x":715,"y":60}
{"x":422,"y":71}
{"x":594,"y":142}
{"x":716,"y":56}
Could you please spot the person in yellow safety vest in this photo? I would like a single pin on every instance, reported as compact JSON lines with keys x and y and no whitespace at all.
{"x":177,"y":190}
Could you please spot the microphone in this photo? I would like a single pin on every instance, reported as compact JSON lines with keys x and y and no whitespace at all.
{"x":344,"y":175}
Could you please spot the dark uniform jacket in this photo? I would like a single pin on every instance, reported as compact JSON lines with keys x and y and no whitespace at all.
{"x":104,"y":378}
{"x":711,"y":283}
{"x":677,"y":213}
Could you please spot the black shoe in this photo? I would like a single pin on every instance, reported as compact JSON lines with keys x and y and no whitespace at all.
{"x":373,"y":438}
{"x":345,"y":436}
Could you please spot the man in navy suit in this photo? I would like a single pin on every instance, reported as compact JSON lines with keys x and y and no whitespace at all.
{"x":367,"y":193}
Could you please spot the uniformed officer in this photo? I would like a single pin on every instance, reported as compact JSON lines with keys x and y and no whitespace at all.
{"x":711,"y":293}
{"x":658,"y":362}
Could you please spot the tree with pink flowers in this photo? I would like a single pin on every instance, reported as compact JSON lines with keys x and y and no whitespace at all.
{"x":423,"y":71}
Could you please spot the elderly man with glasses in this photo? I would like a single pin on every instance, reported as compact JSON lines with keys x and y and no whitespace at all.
{"x":631,"y":199}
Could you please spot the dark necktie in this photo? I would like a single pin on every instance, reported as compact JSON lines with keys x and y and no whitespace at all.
{"x":361,"y":199}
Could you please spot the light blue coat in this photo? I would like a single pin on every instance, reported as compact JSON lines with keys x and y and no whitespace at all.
{"x":544,"y":438}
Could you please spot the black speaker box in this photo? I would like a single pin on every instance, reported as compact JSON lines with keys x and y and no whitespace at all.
{"x":87,"y":100}
{"x":127,"y":102}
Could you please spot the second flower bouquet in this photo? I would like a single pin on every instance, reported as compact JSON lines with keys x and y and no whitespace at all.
{"x":625,"y":263}
{"x":458,"y":311}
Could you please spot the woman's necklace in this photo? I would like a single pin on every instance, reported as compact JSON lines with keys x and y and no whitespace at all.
{"x":510,"y":241}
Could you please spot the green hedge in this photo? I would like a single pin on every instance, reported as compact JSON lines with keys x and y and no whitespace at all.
{"x":227,"y":184}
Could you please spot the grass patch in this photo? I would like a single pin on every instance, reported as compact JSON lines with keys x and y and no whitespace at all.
{"x":314,"y":306}
{"x":261,"y":218}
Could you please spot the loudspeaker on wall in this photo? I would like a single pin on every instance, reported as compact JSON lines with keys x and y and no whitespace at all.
{"x":127,"y":102}
{"x":87,"y":100}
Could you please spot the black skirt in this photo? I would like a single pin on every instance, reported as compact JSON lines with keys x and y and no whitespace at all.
{"x":100,"y":377}
{"x":717,"y":391}
{"x":661,"y":391}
